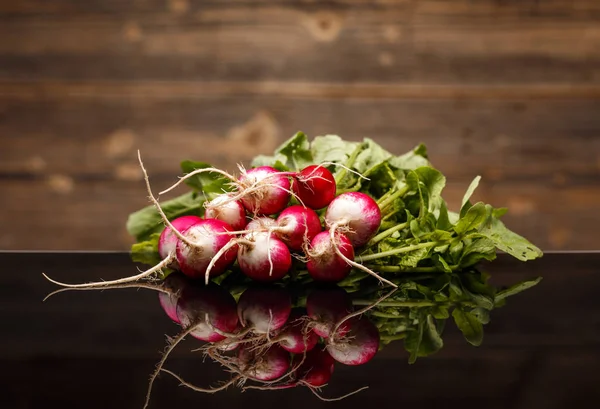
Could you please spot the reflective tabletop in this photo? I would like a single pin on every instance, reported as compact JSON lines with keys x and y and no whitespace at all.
{"x":97,"y":349}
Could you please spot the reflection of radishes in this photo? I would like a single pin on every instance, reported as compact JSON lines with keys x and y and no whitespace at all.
{"x":355,"y":343}
{"x":174,"y":285}
{"x":297,"y":337}
{"x":316,"y":369}
{"x":264,"y":309}
{"x":264,"y":365}
{"x":327,"y":306}
{"x":211,"y":310}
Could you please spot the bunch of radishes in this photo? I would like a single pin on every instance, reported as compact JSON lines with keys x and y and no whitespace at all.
{"x":263,"y":338}
{"x":257,"y":226}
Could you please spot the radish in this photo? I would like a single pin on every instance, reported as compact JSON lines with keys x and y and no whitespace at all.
{"x":327,"y":306}
{"x":355,"y":342}
{"x":356,"y":212}
{"x":316,"y":369}
{"x":264,"y":309}
{"x":296,"y":337}
{"x":263,"y":223}
{"x":264,"y":366}
{"x":206,"y":242}
{"x":315,"y":186}
{"x":297,"y":225}
{"x":263,"y":257}
{"x":211,"y":310}
{"x":265,"y":190}
{"x":168,"y":241}
{"x":230,"y":211}
{"x":324,"y":263}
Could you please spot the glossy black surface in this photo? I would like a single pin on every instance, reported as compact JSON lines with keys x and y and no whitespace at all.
{"x":92,"y":349}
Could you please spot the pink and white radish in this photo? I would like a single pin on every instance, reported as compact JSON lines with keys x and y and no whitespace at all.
{"x":230,"y":211}
{"x":263,"y":257}
{"x":262,"y":223}
{"x":266,"y":190}
{"x":297,"y":225}
{"x":168,"y":240}
{"x":355,"y":342}
{"x":358,"y":216}
{"x":315,"y":186}
{"x":264,"y":309}
{"x":324,"y":263}
{"x":326,"y":307}
{"x":204,"y":241}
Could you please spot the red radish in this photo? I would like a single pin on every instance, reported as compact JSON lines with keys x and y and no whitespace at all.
{"x":297,"y":225}
{"x":264,"y":309}
{"x":296,"y":337}
{"x":194,"y":260}
{"x":167,"y":240}
{"x":262,"y":223}
{"x":317,"y":368}
{"x":264,"y":366}
{"x":263,"y":257}
{"x":230,"y":211}
{"x":265,"y":190}
{"x":324,"y":263}
{"x":355,"y":343}
{"x":201,"y":303}
{"x":315,"y":186}
{"x":356,"y":212}
{"x":326,"y":307}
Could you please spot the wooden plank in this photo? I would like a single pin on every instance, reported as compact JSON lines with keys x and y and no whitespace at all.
{"x":392,"y":45}
{"x":91,"y":214}
{"x":554,"y":142}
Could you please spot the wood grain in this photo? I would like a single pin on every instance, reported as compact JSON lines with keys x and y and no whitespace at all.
{"x":509,"y":90}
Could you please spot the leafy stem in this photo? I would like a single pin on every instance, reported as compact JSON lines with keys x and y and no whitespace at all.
{"x":400,"y":250}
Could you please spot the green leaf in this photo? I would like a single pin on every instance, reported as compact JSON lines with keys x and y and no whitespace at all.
{"x":144,"y":222}
{"x":439,"y":261}
{"x":515,"y":289}
{"x":477,"y":250}
{"x":411,"y":160}
{"x":509,"y":241}
{"x":296,"y":151}
{"x":209,"y":182}
{"x":469,"y":325}
{"x":331,"y":148}
{"x":146,"y":252}
{"x":482,"y":315}
{"x":273,"y":161}
{"x":443,"y":222}
{"x":473,"y":218}
{"x":372,"y":155}
{"x":466,"y":204}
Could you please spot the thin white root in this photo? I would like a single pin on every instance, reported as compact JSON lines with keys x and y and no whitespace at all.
{"x":360,"y":312}
{"x":199,"y":389}
{"x":345,"y":167}
{"x":214,"y":260}
{"x":143,"y":274}
{"x":160,"y":364}
{"x":160,"y":210}
{"x":263,"y":185}
{"x":269,"y":255}
{"x":112,"y":287}
{"x":313,"y":390}
{"x":197,"y":172}
{"x":353,"y":263}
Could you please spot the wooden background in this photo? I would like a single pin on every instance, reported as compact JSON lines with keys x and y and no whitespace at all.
{"x":508,"y":89}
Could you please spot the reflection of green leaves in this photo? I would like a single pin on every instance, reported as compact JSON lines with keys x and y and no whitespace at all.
{"x":516,"y":289}
{"x":469,"y":325}
{"x":424,"y":340}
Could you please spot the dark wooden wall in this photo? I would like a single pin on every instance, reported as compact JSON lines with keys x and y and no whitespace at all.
{"x":508,"y":89}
